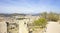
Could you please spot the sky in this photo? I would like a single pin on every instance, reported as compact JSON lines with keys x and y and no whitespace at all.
{"x":29,"y":6}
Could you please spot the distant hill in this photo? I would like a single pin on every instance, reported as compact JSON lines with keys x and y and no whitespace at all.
{"x":14,"y":14}
{"x":38,"y":14}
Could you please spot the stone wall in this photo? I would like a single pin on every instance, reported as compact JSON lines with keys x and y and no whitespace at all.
{"x":12,"y":28}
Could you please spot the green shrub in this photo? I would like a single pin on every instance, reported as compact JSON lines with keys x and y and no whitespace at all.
{"x":40,"y":22}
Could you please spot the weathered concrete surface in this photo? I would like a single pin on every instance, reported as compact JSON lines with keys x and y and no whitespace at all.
{"x":53,"y":27}
{"x":13,"y":28}
{"x":38,"y":31}
{"x":23,"y":26}
{"x":3,"y":27}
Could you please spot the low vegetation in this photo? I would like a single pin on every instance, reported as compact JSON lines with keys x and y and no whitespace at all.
{"x":50,"y":16}
{"x":40,"y":22}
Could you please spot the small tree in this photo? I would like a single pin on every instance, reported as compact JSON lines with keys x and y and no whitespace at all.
{"x":40,"y":22}
{"x":44,"y":15}
{"x":53,"y":17}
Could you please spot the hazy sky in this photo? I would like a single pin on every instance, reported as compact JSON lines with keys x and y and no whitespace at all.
{"x":29,"y":6}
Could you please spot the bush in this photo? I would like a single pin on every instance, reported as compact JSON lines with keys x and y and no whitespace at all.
{"x":53,"y":17}
{"x":40,"y":22}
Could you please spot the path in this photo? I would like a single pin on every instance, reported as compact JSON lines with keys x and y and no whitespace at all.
{"x":53,"y":27}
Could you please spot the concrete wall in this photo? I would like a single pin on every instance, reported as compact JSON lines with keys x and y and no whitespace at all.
{"x":3,"y":27}
{"x":22,"y":27}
